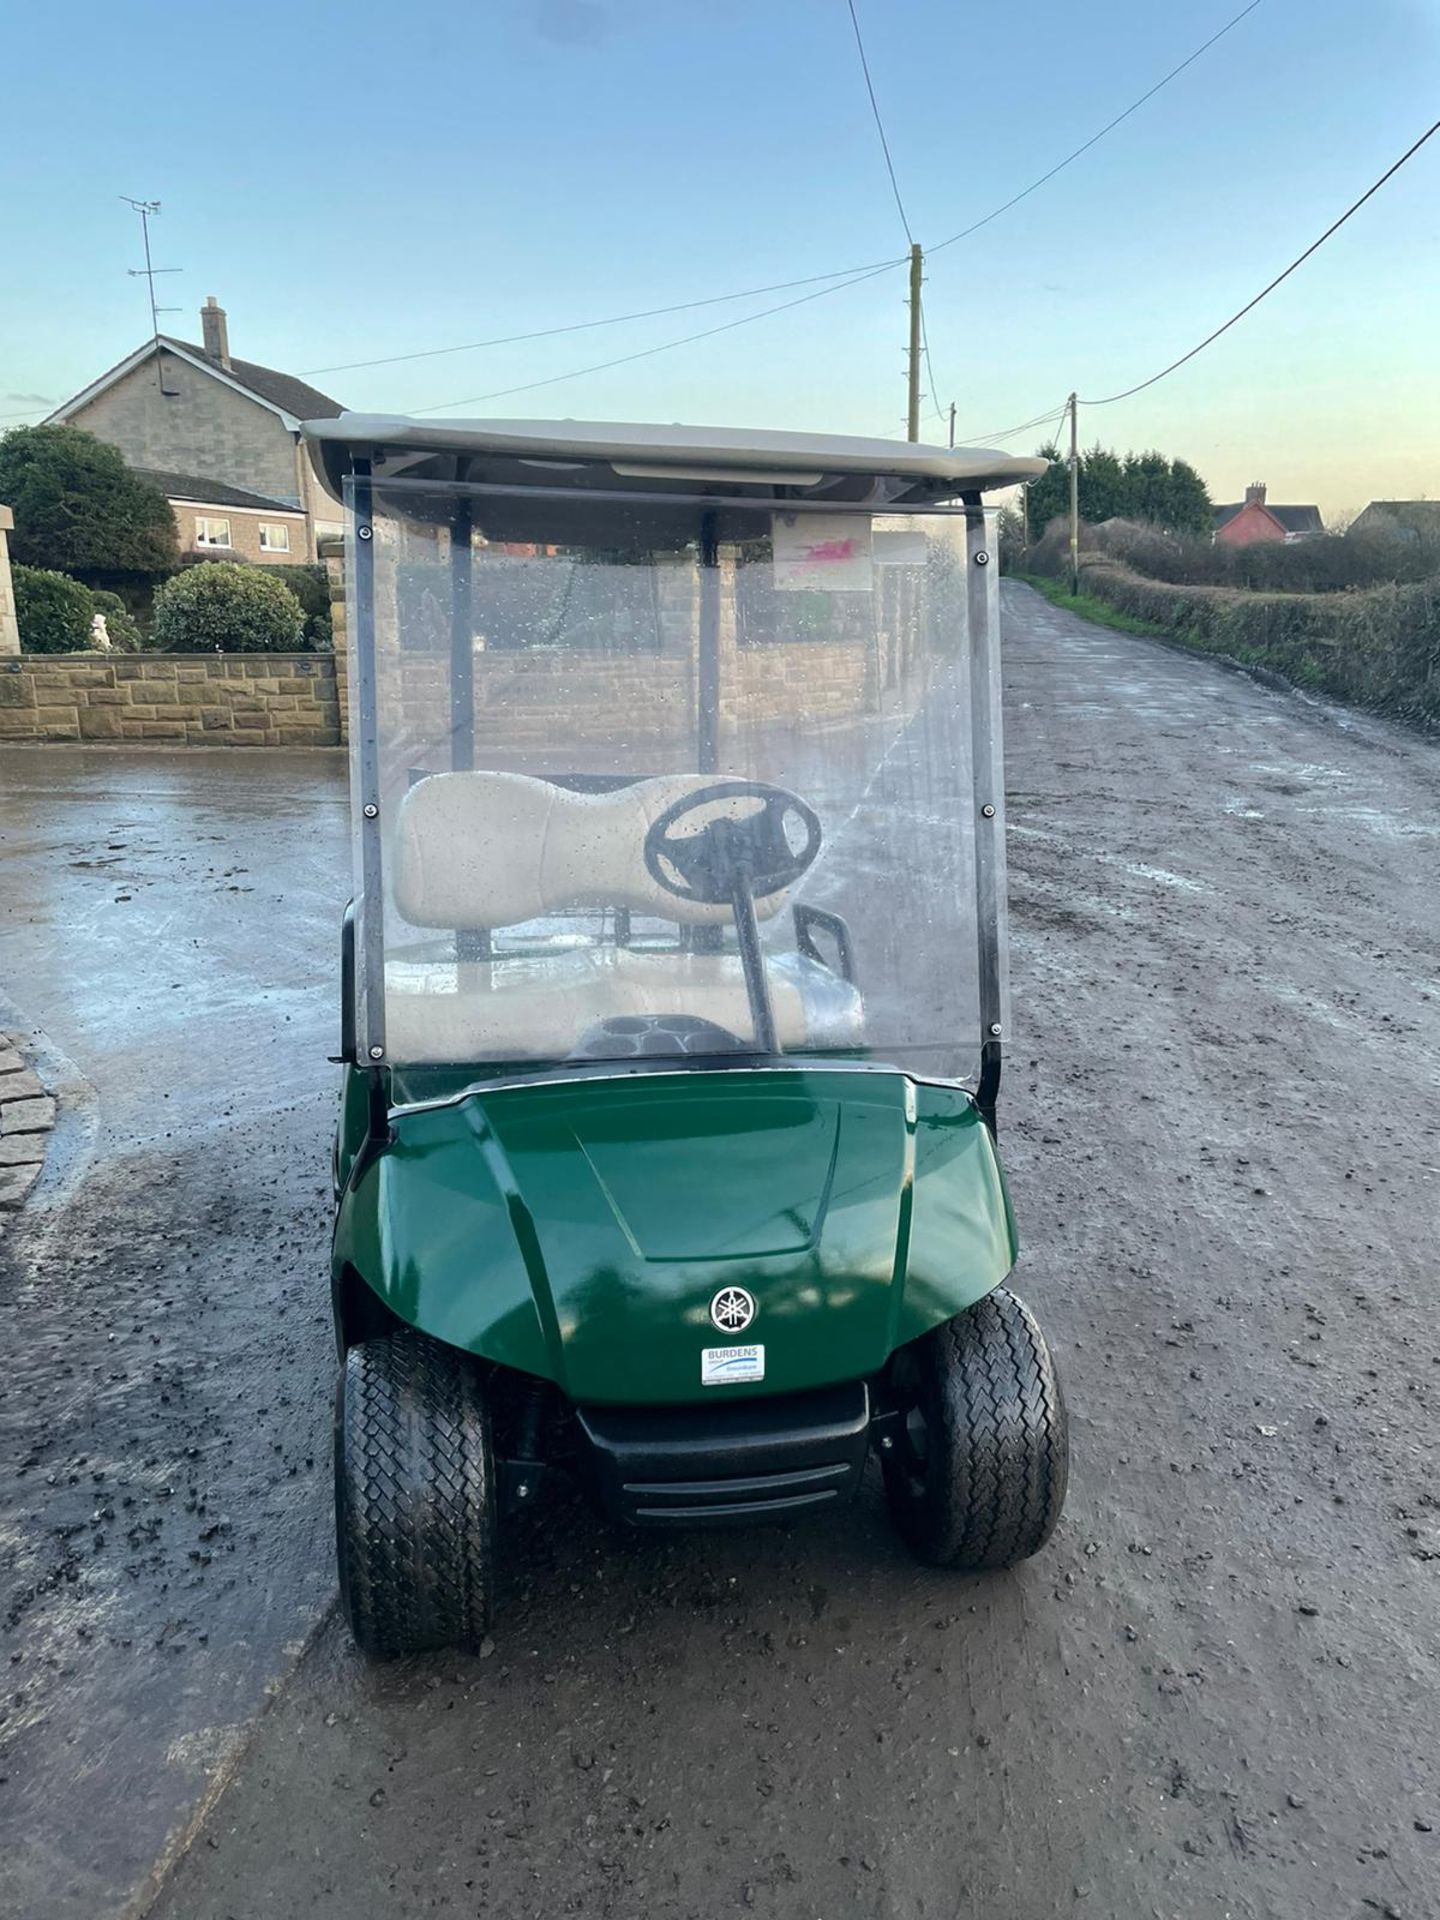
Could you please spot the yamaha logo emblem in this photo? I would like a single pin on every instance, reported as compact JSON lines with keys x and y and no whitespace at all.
{"x":732,"y":1309}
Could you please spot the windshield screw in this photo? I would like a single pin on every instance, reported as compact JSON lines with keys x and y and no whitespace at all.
{"x":377,"y":1053}
{"x":364,"y":533}
{"x":887,"y":1442}
{"x":994,"y":1029}
{"x":372,"y":812}
{"x":982,"y":558}
{"x":522,"y":1492}
{"x":988,"y":811}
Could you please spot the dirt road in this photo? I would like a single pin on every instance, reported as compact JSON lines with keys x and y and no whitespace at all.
{"x":1216,"y":1694}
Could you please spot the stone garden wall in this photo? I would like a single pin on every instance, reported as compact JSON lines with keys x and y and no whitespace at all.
{"x":186,"y":699}
{"x":522,"y":700}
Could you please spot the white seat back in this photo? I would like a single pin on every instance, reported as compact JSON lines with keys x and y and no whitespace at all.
{"x":490,"y":850}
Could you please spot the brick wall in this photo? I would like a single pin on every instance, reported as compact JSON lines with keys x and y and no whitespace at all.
{"x":212,"y":700}
{"x":521,"y":700}
{"x":805,"y":681}
{"x":197,"y":426}
{"x":526,"y":699}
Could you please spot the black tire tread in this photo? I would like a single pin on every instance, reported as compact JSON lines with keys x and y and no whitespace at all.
{"x":999,"y":1442}
{"x":414,"y":1496}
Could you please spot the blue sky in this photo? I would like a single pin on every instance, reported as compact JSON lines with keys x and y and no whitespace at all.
{"x":362,"y":179}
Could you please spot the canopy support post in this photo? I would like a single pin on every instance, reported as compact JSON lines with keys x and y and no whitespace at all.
{"x":462,"y":640}
{"x":471,"y":943}
{"x":371,"y":904}
{"x":707,"y":689}
{"x":983,"y":622}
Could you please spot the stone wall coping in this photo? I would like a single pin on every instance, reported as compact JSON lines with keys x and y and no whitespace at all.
{"x":94,"y":657}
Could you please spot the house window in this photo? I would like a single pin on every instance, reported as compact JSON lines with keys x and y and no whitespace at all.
{"x":274,"y":537}
{"x":211,"y":533}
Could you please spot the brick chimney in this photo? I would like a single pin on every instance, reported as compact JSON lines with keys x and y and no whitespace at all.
{"x":1254,"y":493}
{"x":217,"y":335}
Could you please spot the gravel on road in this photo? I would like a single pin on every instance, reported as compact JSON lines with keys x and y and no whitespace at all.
{"x":1216,"y":1693}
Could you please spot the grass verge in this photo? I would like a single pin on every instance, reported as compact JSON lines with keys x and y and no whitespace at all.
{"x":1089,"y":608}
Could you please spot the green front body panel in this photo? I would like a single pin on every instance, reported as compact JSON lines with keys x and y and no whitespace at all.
{"x":579,"y":1231}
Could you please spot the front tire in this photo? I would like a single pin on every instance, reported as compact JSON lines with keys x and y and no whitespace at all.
{"x":979,"y":1456}
{"x":414,"y":1496}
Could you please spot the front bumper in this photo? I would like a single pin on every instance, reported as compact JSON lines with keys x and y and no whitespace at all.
{"x":728,"y":1464}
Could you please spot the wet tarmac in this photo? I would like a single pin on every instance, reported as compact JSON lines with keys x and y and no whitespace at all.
{"x":1215,"y":1693}
{"x":169,"y":921}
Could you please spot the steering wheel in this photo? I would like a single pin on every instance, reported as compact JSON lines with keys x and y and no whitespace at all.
{"x":751,"y":852}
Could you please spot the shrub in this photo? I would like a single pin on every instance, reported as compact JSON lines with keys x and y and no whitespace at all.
{"x":53,"y":611}
{"x":1328,"y":563}
{"x":235,"y":609}
{"x":1378,"y":648}
{"x":120,"y":623}
{"x":311,"y":587}
{"x":79,"y":508}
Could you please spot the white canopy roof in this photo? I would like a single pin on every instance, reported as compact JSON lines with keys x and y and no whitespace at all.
{"x":538,"y":452}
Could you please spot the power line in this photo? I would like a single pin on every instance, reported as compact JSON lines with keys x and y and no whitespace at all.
{"x":929,"y":367}
{"x":1025,"y":426}
{"x":1034,"y":185}
{"x":613,"y":320}
{"x":1109,"y":127}
{"x":844,"y":276}
{"x":879,"y":123}
{"x":899,"y":205}
{"x":1055,"y":414}
{"x":1299,"y":261}
{"x":666,"y":346}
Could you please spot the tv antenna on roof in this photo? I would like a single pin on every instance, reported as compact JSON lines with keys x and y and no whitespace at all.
{"x":145,"y":208}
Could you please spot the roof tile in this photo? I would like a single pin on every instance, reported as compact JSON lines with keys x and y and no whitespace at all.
{"x":214,"y":493}
{"x":284,"y":390}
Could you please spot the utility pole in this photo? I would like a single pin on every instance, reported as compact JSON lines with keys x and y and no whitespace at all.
{"x":1024,"y":516}
{"x":1074,"y":407}
{"x":952,"y":423}
{"x":913,"y":417}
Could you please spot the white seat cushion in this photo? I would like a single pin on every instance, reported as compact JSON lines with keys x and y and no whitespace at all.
{"x":524,"y":1008}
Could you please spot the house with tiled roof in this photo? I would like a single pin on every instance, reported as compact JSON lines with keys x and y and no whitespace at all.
{"x":1256,"y":518}
{"x":221,"y":437}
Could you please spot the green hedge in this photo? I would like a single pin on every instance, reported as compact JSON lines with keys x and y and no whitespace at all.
{"x":52,"y":610}
{"x":311,"y":587}
{"x":1377,"y":648}
{"x":233,"y":608}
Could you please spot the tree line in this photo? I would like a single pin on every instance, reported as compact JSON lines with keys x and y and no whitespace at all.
{"x":1133,"y":486}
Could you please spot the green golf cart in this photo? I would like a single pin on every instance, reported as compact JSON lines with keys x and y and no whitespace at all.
{"x":673,"y":1000}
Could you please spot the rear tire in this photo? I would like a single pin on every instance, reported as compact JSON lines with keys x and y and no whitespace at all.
{"x":414,"y":1496}
{"x":977,"y":1473}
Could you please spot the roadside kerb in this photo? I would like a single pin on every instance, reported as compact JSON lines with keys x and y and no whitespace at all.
{"x":27,"y":1118}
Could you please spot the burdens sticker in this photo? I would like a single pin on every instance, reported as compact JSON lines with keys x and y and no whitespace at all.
{"x":725,"y":1366}
{"x":821,"y":550}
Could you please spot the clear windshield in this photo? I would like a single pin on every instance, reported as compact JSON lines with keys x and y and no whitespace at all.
{"x":654,"y":779}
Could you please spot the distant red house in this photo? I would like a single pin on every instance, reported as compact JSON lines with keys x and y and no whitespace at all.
{"x":1253,"y":518}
